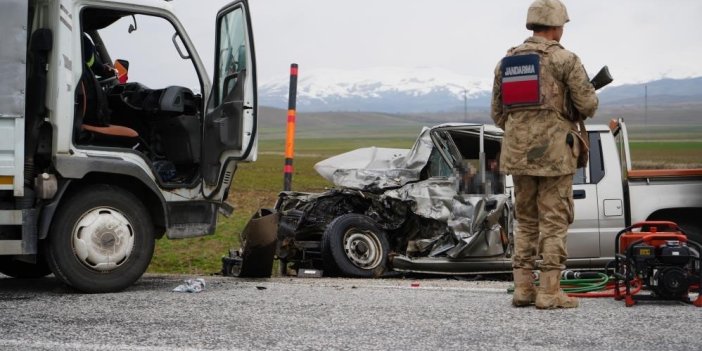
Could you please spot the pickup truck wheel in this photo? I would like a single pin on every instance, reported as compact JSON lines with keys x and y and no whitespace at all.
{"x":355,"y":246}
{"x":102,"y":240}
{"x":23,"y":270}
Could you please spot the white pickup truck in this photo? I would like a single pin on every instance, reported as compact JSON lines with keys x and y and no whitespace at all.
{"x":609,"y":195}
{"x":405,"y":210}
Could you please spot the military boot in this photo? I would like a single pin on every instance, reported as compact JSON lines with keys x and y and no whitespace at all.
{"x":524,"y":290}
{"x":550,"y":294}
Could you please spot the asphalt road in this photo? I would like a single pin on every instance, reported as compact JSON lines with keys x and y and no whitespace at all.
{"x":327,"y":314}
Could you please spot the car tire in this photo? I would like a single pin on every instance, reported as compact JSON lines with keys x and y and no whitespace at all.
{"x":354,"y":246}
{"x":23,"y":270}
{"x":101,"y":240}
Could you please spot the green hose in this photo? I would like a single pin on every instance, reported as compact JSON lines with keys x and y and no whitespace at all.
{"x":585,"y":285}
{"x":579,"y":285}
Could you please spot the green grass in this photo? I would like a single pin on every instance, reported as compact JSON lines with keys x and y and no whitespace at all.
{"x":257,"y":184}
{"x":666,"y":154}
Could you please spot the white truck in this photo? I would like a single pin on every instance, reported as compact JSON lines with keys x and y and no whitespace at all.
{"x":609,"y":195}
{"x":94,"y":169}
{"x":404,"y":210}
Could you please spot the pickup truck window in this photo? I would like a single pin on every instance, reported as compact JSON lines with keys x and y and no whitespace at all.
{"x":597,"y":171}
{"x":596,"y":166}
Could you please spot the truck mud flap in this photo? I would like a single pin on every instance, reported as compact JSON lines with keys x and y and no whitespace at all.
{"x":258,"y":242}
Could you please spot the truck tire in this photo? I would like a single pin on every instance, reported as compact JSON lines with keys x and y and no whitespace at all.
{"x":354,"y":246}
{"x":23,"y":270}
{"x":101,"y":240}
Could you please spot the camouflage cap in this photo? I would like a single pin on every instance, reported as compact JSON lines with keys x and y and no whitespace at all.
{"x":551,"y":13}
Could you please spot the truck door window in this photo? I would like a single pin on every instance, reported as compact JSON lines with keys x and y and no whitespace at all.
{"x":594,"y":172}
{"x":154,"y":60}
{"x":232,"y":54}
{"x":597,"y":171}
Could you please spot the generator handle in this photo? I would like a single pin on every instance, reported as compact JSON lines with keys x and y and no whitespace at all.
{"x":655,"y":224}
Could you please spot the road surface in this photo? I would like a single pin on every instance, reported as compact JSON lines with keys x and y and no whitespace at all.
{"x":327,"y":314}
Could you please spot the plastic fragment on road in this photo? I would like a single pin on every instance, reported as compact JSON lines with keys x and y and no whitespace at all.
{"x":309,"y":273}
{"x":191,"y":286}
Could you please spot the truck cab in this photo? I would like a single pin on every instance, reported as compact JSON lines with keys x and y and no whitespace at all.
{"x":105,"y":153}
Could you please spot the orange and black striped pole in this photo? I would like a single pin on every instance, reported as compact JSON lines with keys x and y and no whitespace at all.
{"x":290,"y":135}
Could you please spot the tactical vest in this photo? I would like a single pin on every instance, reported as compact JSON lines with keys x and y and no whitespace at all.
{"x":531,"y":84}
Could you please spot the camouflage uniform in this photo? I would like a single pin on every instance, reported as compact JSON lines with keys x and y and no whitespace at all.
{"x":536,"y":152}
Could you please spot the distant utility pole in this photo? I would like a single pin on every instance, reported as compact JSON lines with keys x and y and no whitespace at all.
{"x":465,"y":105}
{"x":646,"y":108}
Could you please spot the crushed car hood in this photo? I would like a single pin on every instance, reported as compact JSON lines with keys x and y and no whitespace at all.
{"x":377,"y":168}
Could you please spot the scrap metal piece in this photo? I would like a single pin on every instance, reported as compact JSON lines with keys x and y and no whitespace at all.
{"x":258,"y":242}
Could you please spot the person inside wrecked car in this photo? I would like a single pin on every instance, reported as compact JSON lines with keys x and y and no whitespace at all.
{"x":539,"y":92}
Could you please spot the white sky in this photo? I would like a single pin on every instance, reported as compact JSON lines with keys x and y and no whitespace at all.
{"x":640,"y":40}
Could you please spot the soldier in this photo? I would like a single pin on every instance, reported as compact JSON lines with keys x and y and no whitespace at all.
{"x":540,"y":91}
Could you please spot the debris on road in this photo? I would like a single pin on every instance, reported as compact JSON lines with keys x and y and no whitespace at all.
{"x":191,"y":286}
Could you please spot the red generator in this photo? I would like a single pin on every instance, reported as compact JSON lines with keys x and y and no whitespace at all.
{"x":658,"y":256}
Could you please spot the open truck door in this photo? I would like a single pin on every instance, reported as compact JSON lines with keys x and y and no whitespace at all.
{"x":230,"y":120}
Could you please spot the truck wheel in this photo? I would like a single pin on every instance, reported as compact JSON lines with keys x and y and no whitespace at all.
{"x":354,"y":246}
{"x":23,"y":270}
{"x":101,"y":240}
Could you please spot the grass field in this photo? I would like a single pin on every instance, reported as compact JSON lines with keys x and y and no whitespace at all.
{"x":257,"y":184}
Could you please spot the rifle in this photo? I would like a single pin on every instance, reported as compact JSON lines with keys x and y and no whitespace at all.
{"x":602,"y":78}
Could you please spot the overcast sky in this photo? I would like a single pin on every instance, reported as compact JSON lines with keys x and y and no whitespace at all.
{"x":640,"y":40}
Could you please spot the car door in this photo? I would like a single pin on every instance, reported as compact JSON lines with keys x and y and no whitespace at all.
{"x":229,"y":128}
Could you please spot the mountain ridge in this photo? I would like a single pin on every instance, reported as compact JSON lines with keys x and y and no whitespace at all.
{"x":435,"y":90}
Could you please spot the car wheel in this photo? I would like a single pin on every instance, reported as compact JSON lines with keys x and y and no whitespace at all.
{"x":102,"y":240}
{"x":353,"y":245}
{"x":23,"y":270}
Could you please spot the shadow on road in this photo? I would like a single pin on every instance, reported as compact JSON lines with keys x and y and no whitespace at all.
{"x":10,"y":287}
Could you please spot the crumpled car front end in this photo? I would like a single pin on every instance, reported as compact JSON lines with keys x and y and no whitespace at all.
{"x":418,"y":200}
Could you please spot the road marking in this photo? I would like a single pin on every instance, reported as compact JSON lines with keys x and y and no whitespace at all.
{"x":80,"y":346}
{"x":360,"y":285}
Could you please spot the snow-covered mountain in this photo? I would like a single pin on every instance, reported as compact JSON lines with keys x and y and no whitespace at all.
{"x":421,"y":90}
{"x":389,"y":89}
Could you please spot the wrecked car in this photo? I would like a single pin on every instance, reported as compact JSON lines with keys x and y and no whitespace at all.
{"x":439,"y":207}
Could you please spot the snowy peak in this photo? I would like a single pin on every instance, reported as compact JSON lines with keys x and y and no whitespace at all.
{"x":383,"y":89}
{"x":422,"y":90}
